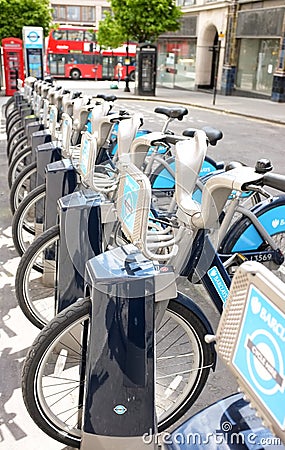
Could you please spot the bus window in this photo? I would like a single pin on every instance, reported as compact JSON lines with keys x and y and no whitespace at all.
{"x":59,"y":35}
{"x":56,"y":64}
{"x":75,"y":35}
{"x":89,"y":36}
{"x":80,"y":59}
{"x":108,"y":66}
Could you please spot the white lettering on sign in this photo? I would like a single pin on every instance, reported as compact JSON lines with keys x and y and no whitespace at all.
{"x":62,"y":47}
{"x":273,"y":323}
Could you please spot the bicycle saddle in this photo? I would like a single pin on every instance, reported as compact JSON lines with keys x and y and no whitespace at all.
{"x":213,"y":134}
{"x":76,"y":94}
{"x":107,"y":97}
{"x":172,"y":112}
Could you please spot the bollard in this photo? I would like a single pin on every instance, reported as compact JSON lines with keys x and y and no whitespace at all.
{"x":120,"y":368}
{"x":80,"y":239}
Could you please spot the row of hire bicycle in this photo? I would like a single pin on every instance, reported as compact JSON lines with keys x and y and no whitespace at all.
{"x":86,"y":179}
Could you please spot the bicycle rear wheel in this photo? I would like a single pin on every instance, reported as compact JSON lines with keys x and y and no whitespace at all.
{"x":18,"y":164}
{"x":13,"y":126}
{"x":9,"y":107}
{"x":22,"y":186}
{"x":23,"y":223}
{"x":14,"y":138}
{"x":53,"y":379}
{"x":36,"y":278}
{"x":17,"y":148}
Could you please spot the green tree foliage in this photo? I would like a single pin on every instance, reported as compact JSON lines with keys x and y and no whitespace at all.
{"x":109,"y":33}
{"x":16,"y":14}
{"x":139,"y":20}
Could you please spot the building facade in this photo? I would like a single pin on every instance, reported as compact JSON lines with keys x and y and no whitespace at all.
{"x":238,"y":45}
{"x":260,"y":36}
{"x":85,"y":13}
{"x":233,"y":45}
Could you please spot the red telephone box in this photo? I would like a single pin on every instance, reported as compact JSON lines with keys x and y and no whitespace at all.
{"x":13,"y":63}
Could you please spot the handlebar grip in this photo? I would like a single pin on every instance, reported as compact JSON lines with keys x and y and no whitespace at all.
{"x":275,"y":181}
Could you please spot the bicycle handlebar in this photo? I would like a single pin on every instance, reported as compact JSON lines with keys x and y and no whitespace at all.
{"x":275,"y":181}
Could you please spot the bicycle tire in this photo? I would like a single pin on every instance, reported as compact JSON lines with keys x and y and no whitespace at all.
{"x":21,"y":183}
{"x":18,"y":147}
{"x":15,"y":113}
{"x":55,"y":340}
{"x":13,"y":126}
{"x":37,"y":301}
{"x":23,"y":223}
{"x":15,"y":134}
{"x":14,"y":138}
{"x":18,"y":164}
{"x":10,"y":103}
{"x":9,"y":110}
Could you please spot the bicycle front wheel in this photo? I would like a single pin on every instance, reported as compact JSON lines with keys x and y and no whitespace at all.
{"x":53,"y":374}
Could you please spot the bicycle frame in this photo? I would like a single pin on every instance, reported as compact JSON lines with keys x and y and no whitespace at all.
{"x":254,"y":228}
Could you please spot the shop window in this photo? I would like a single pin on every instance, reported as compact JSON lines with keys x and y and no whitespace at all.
{"x":62,"y":12}
{"x":58,"y":12}
{"x":73,"y":13}
{"x":88,"y":13}
{"x":54,"y":12}
{"x":177,"y":63}
{"x":185,"y":2}
{"x":104,"y":11}
{"x":257,"y":62}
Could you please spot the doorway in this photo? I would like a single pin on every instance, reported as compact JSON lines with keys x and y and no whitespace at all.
{"x":208,"y":57}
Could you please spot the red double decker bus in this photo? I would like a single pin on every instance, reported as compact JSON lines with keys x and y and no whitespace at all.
{"x":73,"y":53}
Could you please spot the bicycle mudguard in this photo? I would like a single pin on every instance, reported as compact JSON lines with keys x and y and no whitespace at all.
{"x":113,"y":139}
{"x":243,"y":236}
{"x":163,"y":179}
{"x":188,"y":303}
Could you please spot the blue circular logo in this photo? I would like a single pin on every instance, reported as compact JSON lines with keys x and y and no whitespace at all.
{"x":33,"y":36}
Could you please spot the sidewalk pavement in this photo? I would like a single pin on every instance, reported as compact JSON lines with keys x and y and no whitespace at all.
{"x":255,"y":108}
{"x":242,"y":106}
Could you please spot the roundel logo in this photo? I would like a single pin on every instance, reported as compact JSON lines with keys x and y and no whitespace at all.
{"x":120,"y":409}
{"x":33,"y":36}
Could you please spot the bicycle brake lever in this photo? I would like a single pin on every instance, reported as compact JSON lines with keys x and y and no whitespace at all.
{"x":259,"y":189}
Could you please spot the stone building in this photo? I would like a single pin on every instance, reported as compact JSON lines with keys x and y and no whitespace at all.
{"x":239,"y":44}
